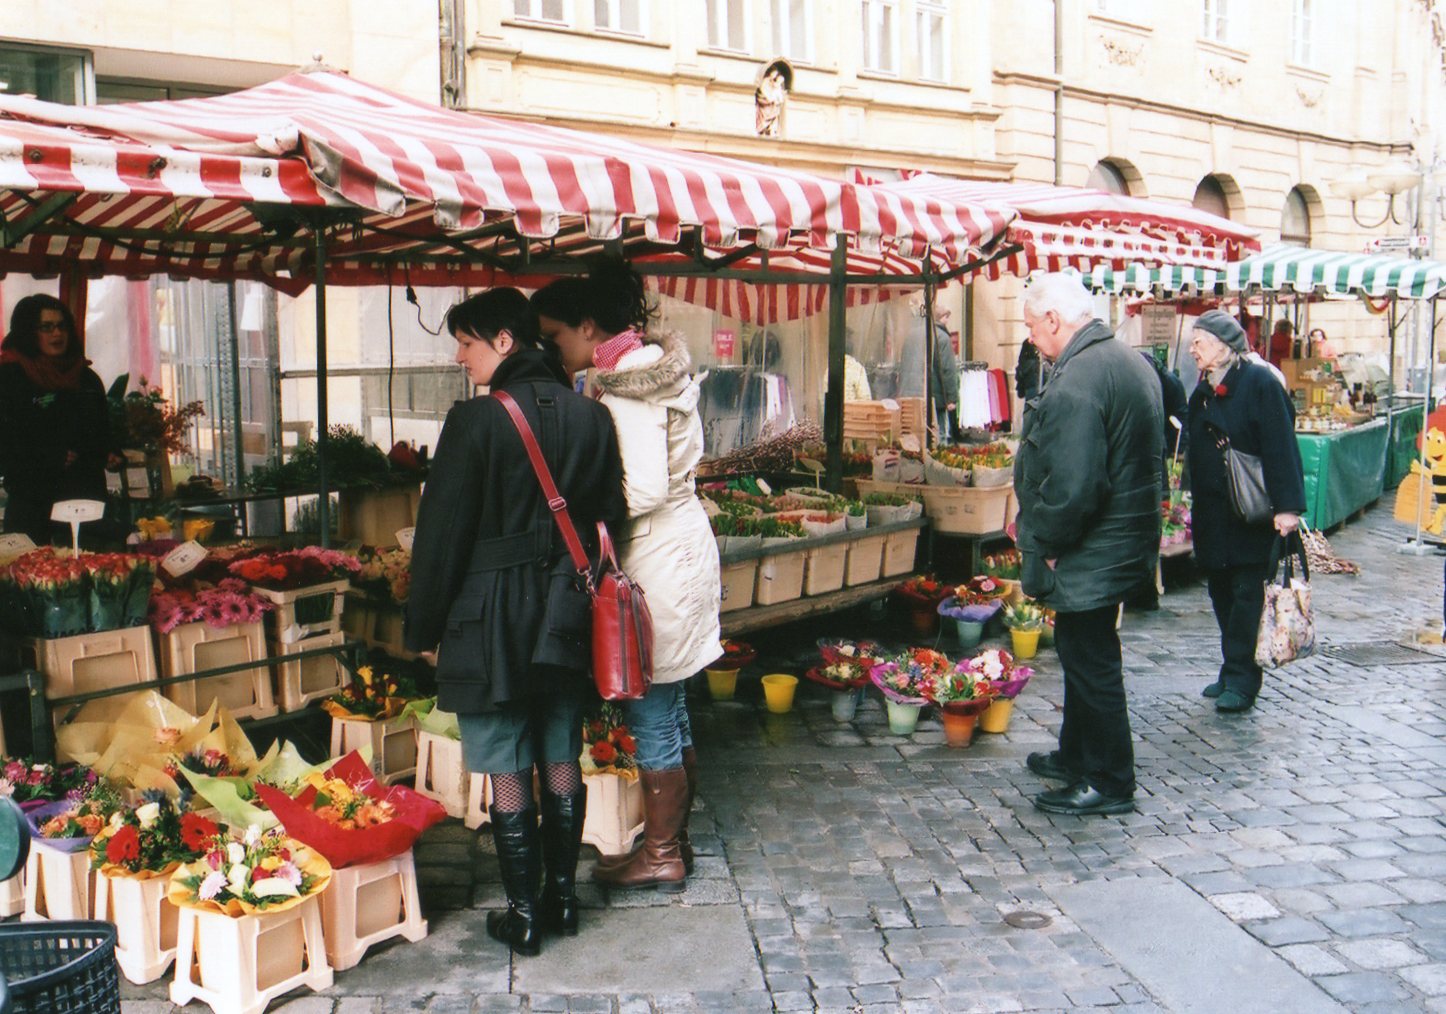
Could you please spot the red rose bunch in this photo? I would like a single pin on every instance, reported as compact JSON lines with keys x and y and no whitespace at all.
{"x":608,"y":747}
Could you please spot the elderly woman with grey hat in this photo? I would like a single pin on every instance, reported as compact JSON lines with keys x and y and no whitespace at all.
{"x":1240,"y":401}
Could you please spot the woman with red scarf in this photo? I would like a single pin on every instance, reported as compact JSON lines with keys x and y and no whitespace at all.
{"x":54,"y":422}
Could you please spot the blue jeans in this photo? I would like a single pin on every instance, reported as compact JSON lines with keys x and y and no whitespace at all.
{"x":659,"y":722}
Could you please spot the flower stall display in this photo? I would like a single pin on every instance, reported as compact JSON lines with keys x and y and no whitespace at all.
{"x":250,"y":926}
{"x":885,"y":508}
{"x":971,"y":606}
{"x":722,"y":672}
{"x":200,"y":628}
{"x":907,"y":682}
{"x":1025,"y":622}
{"x":52,"y":593}
{"x":368,"y":714}
{"x":997,"y":668}
{"x":32,"y":783}
{"x":614,"y":817}
{"x":134,"y":856}
{"x":921,"y":595}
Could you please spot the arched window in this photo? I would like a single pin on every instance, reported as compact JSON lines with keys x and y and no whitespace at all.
{"x":1107,"y":177}
{"x":1210,"y":196}
{"x":1295,"y":218}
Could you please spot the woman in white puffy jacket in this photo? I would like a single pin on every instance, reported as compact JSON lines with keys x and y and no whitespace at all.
{"x":668,"y":548}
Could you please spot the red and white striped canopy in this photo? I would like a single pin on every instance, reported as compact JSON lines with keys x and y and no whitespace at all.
{"x":449,"y":197}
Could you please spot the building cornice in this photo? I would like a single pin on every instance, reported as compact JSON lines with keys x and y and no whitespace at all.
{"x":1048,"y":83}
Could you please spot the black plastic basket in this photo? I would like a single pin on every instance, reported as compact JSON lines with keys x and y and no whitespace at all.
{"x":60,"y":967}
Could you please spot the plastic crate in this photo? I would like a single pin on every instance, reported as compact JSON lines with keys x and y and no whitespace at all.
{"x":479,"y":799}
{"x":899,"y":551}
{"x":304,"y":612}
{"x":58,"y":885}
{"x":866,"y":560}
{"x":967,"y":510}
{"x":364,"y":905}
{"x":308,"y":679}
{"x":614,"y":816}
{"x":88,"y":662}
{"x":65,"y":967}
{"x":824,"y":569}
{"x":145,"y":922}
{"x":780,"y":578}
{"x":195,"y":647}
{"x":441,"y":773}
{"x":393,"y":744}
{"x":738,"y":582}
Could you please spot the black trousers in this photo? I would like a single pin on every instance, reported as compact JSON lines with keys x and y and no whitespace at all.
{"x":1238,"y":597}
{"x":1094,"y":738}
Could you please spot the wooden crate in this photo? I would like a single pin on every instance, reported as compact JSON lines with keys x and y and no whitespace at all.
{"x":614,"y":816}
{"x":870,"y":422}
{"x":824,"y":568}
{"x":441,"y":772}
{"x":305,"y":680}
{"x":912,"y":421}
{"x":87,"y":662}
{"x":780,"y":578}
{"x":145,"y":923}
{"x":364,"y":905}
{"x":374,"y":516}
{"x":967,"y":510}
{"x":281,"y":623}
{"x":393,"y":744}
{"x":899,"y":551}
{"x":865,"y":560}
{"x":195,"y":647}
{"x":386,"y":631}
{"x":738,"y":582}
{"x":240,"y":965}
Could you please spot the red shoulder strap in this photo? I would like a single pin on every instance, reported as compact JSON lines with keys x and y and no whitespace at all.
{"x":555,"y":502}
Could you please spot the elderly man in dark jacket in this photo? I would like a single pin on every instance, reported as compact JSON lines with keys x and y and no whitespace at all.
{"x":1088,"y":480}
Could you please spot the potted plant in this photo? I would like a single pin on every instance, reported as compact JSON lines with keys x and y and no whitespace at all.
{"x":961,"y":697}
{"x":921,"y":595}
{"x":722,"y":672}
{"x":971,"y":606}
{"x":906,"y":681}
{"x":1024,"y":620}
{"x":145,"y":421}
{"x":996,"y":668}
{"x":845,"y":671}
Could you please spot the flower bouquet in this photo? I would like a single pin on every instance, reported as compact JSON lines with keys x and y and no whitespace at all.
{"x":120,"y":589}
{"x":1004,"y":564}
{"x":1023,"y":616}
{"x":236,"y":797}
{"x":145,"y":419}
{"x":736,"y":654}
{"x":46,"y":595}
{"x":295,"y":568}
{"x":33,"y":784}
{"x":607,"y":746}
{"x":69,"y":824}
{"x":133,"y":740}
{"x":385,"y":575}
{"x":975,"y":602}
{"x":263,"y":872}
{"x":962,"y":697}
{"x":371,"y":697}
{"x":228,"y":604}
{"x":888,"y":508}
{"x":923,"y":591}
{"x":846,"y":664}
{"x":996,"y":668}
{"x":908,"y":678}
{"x":151,"y":840}
{"x":349,"y":818}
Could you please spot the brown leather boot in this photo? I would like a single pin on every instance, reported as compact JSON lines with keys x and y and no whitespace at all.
{"x":658,"y":863}
{"x":690,"y":768}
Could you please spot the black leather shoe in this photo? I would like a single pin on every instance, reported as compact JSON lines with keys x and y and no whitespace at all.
{"x":1048,"y":765}
{"x":1213,"y":690}
{"x":1082,"y":800}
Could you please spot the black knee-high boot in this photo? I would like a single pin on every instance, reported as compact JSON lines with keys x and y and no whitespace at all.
{"x":562,"y":819}
{"x":520,"y":859}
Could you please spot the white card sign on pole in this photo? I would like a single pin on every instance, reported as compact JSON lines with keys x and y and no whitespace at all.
{"x":75,"y":513}
{"x":405,"y":537}
{"x":183,"y":559}
{"x":15,"y":544}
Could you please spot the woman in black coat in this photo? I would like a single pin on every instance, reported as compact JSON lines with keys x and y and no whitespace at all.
{"x":54,"y":422}
{"x":495,"y":595}
{"x":1246,"y":403}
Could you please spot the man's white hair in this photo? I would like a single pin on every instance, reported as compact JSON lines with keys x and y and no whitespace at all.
{"x":1064,"y":294}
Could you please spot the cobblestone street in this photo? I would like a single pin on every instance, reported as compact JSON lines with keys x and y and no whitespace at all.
{"x":1288,"y":858}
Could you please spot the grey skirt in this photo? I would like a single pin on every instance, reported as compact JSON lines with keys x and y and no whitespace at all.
{"x":546,"y":729}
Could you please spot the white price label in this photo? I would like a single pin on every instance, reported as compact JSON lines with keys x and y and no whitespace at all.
{"x":14,"y":544}
{"x":75,"y":511}
{"x":183,"y":559}
{"x":405,"y":536}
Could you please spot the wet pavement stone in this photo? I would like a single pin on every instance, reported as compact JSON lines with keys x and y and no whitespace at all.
{"x":874,"y":872}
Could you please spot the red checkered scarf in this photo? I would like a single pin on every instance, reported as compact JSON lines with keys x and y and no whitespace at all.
{"x":610,"y":352}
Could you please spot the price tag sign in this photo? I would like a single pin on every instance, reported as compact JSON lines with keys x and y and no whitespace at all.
{"x":75,"y":513}
{"x":15,"y":544}
{"x":724,"y":343}
{"x":405,"y":537}
{"x":183,"y":559}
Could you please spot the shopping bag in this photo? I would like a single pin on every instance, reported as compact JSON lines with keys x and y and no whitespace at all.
{"x":1287,"y":629}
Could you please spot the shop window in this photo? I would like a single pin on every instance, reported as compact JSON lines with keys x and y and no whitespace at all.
{"x":555,"y":11}
{"x":1215,"y":22}
{"x":1295,"y":218}
{"x":728,"y":25}
{"x":619,"y":16}
{"x":1210,"y":196}
{"x":111,"y":90}
{"x":1302,"y":33}
{"x":933,"y":39}
{"x":793,"y":29}
{"x":881,"y":36}
{"x":54,"y":75}
{"x":1107,"y":176}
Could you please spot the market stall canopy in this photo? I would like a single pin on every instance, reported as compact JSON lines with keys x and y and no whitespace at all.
{"x":1286,"y":268}
{"x":449,"y":196}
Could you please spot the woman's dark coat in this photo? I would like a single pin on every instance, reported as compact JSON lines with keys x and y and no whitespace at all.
{"x":37,"y":429}
{"x":1088,"y":476}
{"x":492,"y":583}
{"x":1257,"y":416}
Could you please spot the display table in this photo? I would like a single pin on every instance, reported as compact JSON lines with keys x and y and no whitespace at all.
{"x":1344,"y":471}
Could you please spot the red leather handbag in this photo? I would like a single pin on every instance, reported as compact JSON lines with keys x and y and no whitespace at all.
{"x":622,"y":626}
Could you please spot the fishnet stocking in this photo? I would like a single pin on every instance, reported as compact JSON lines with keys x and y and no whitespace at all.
{"x":562,"y":778}
{"x":512,"y":791}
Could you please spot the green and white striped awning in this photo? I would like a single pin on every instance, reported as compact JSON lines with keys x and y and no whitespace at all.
{"x":1282,"y":268}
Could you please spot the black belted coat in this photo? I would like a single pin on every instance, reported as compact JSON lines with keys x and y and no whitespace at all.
{"x":492,"y":583}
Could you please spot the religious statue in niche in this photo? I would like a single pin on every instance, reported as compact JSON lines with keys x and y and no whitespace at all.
{"x":769,"y":97}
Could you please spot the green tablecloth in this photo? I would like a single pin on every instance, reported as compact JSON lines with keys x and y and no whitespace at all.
{"x":1344,"y":471}
{"x":1405,"y":428}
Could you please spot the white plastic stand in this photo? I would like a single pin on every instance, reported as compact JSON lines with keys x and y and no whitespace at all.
{"x":441,"y":773}
{"x":614,"y":813}
{"x":145,"y":923}
{"x":479,"y":798}
{"x":57,"y":884}
{"x":12,"y":895}
{"x":364,"y":905}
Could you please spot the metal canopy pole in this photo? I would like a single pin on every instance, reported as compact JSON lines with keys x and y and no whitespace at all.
{"x":1427,"y":485}
{"x":930,"y":437}
{"x":323,"y":503}
{"x":237,"y":432}
{"x":833,"y":399}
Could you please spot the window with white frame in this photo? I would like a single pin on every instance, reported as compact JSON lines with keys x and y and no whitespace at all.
{"x":1302,"y":32}
{"x":619,"y":16}
{"x":728,"y":25}
{"x":931,"y":33}
{"x":1215,"y":24}
{"x":793,"y":29}
{"x":555,"y":11}
{"x":881,"y":36}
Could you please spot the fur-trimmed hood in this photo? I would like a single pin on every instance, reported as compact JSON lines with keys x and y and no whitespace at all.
{"x":657,"y":372}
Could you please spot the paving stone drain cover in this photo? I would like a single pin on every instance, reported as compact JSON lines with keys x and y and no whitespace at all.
{"x":1377,"y":653}
{"x":1028,"y":920}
